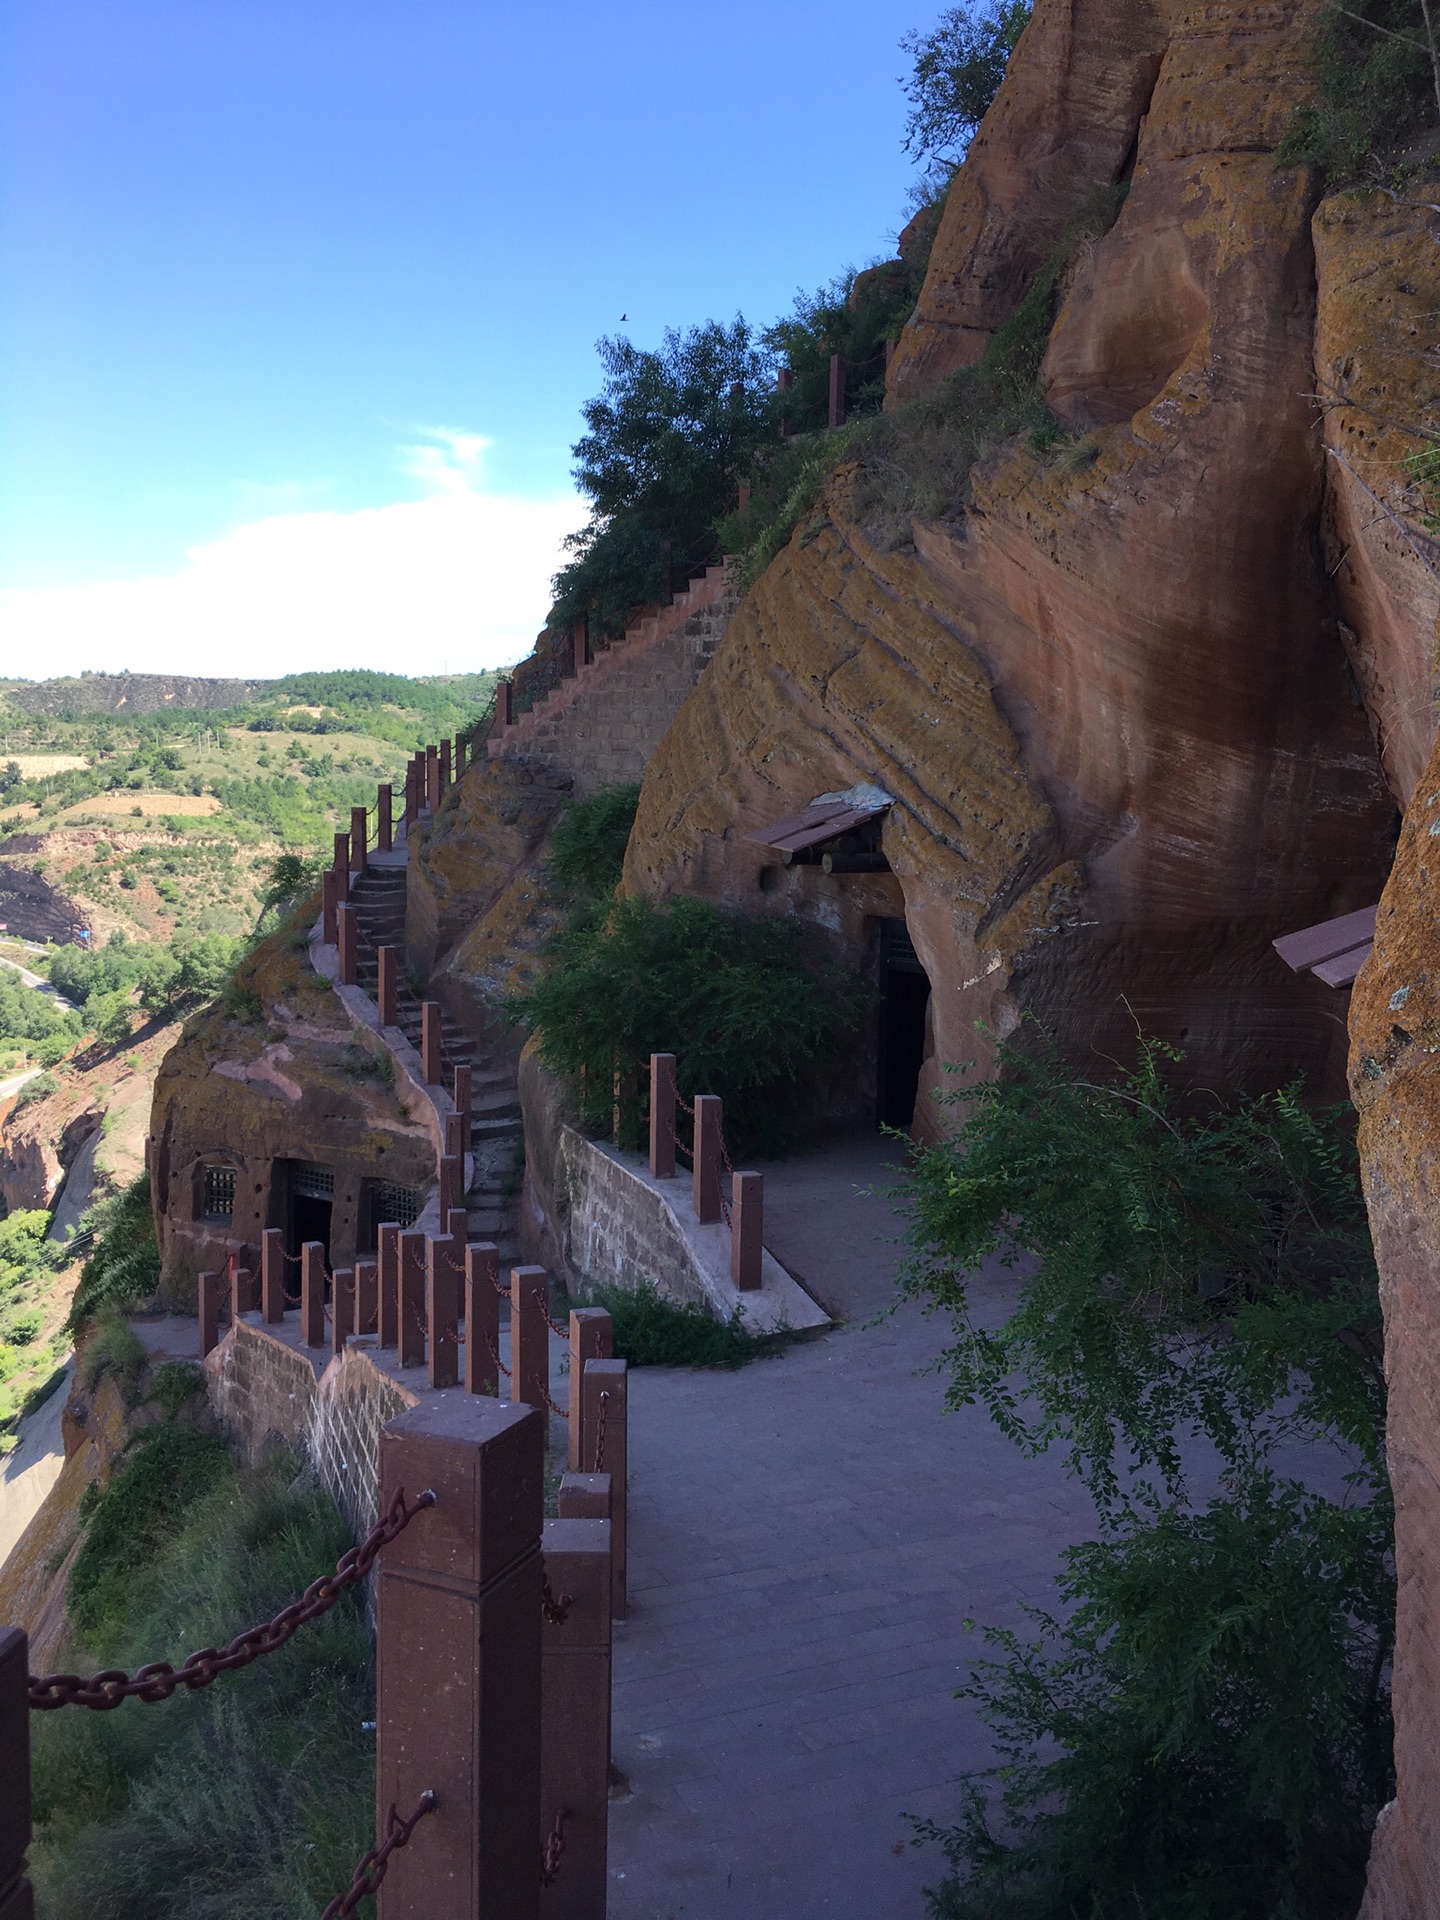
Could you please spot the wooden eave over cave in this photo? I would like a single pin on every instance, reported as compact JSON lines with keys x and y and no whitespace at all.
{"x":848,"y":823}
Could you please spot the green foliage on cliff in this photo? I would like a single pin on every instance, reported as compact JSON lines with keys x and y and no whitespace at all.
{"x":748,"y":1009}
{"x":123,"y":1268}
{"x":958,"y":68}
{"x":253,"y":1799}
{"x":587,"y":846}
{"x":48,"y":1031}
{"x":1376,"y":66}
{"x":1205,"y":1729}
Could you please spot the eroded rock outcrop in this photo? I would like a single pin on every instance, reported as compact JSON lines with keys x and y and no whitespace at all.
{"x":264,"y":1086}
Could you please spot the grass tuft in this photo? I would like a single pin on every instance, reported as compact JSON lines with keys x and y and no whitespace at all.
{"x":651,"y":1331}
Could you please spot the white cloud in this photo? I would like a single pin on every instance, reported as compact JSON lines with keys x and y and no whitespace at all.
{"x":455,"y":581}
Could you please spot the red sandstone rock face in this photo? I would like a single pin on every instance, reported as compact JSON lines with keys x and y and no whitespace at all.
{"x":1378,"y":273}
{"x":1395,"y":1082}
{"x":1064,"y":125}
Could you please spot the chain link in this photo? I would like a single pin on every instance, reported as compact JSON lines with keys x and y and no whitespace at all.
{"x":554,"y":1406}
{"x":557,"y":1612}
{"x":159,"y":1680}
{"x":494,"y":1355}
{"x":600,"y":1433}
{"x":374,"y":1864}
{"x":554,"y":1848}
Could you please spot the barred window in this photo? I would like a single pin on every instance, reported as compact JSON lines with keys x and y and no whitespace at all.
{"x":312,"y":1183}
{"x":218,"y":1193}
{"x":390,"y":1202}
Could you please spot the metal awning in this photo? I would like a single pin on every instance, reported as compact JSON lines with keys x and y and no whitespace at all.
{"x":1334,"y":950}
{"x":826,"y":818}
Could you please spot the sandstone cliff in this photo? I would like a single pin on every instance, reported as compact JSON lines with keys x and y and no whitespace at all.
{"x":1132,"y":665}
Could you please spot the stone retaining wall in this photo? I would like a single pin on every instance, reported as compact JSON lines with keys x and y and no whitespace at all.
{"x":608,"y":1220}
{"x":264,"y":1386}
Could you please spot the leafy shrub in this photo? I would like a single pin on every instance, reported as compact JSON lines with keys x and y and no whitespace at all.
{"x":153,"y":1814}
{"x":587,"y":845}
{"x":1376,"y":86}
{"x":175,"y":1384}
{"x":1219,"y":1696}
{"x":651,"y":1331}
{"x":749,"y":1012}
{"x":35,"y":1089}
{"x":124,"y":1267}
{"x":114,"y":1348}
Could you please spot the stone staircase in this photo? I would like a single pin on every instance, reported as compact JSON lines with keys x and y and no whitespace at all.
{"x":497,"y":1141}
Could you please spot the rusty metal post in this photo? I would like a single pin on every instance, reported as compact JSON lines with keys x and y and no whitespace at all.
{"x":463,"y":1097}
{"x":242,"y":1293}
{"x":412,"y":795}
{"x":444,"y":768}
{"x":529,"y":1337}
{"x":709,"y":1113}
{"x":272,"y":1275}
{"x":747,"y":1204}
{"x":384,"y":818}
{"x":412,"y":1299}
{"x":387,"y":986}
{"x":482,"y":1319}
{"x":504,"y":705}
{"x":454,"y":1136}
{"x":345,"y":941}
{"x":430,"y":1055}
{"x":575,"y":1716}
{"x":457,"y":1225}
{"x":359,"y":840}
{"x":312,"y":1293}
{"x":432,"y":778}
{"x":837,"y":389}
{"x":459,"y":756}
{"x":452,"y":1178}
{"x":662,"y":1115}
{"x":17,"y":1899}
{"x":592,"y":1337}
{"x":459,"y":1626}
{"x":603,"y":1420}
{"x":388,"y":1243}
{"x":327,"y":908}
{"x":341,"y":865}
{"x":209,"y":1307}
{"x":342,"y":1308}
{"x":367,"y":1296}
{"x":442,"y":1308}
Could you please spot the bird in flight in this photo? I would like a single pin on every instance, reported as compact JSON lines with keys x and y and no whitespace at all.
{"x":624,"y":316}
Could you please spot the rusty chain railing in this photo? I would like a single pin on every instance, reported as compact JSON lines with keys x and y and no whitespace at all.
{"x":104,"y":1691}
{"x":600,"y":1433}
{"x":372,"y":1868}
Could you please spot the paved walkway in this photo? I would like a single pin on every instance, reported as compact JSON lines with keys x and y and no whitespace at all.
{"x":806,"y":1538}
{"x":32,"y":1467}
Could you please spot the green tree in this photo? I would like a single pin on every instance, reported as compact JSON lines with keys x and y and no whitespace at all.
{"x":669,"y":437}
{"x":1376,"y":66}
{"x":958,"y":67}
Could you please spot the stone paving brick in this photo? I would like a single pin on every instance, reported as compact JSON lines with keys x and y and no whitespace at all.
{"x":806,"y":1537}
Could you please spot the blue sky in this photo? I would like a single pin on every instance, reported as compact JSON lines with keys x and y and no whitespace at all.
{"x":275,"y":269}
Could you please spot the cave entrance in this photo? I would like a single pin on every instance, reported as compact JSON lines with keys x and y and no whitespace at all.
{"x":904,"y":1003}
{"x":311,"y":1203}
